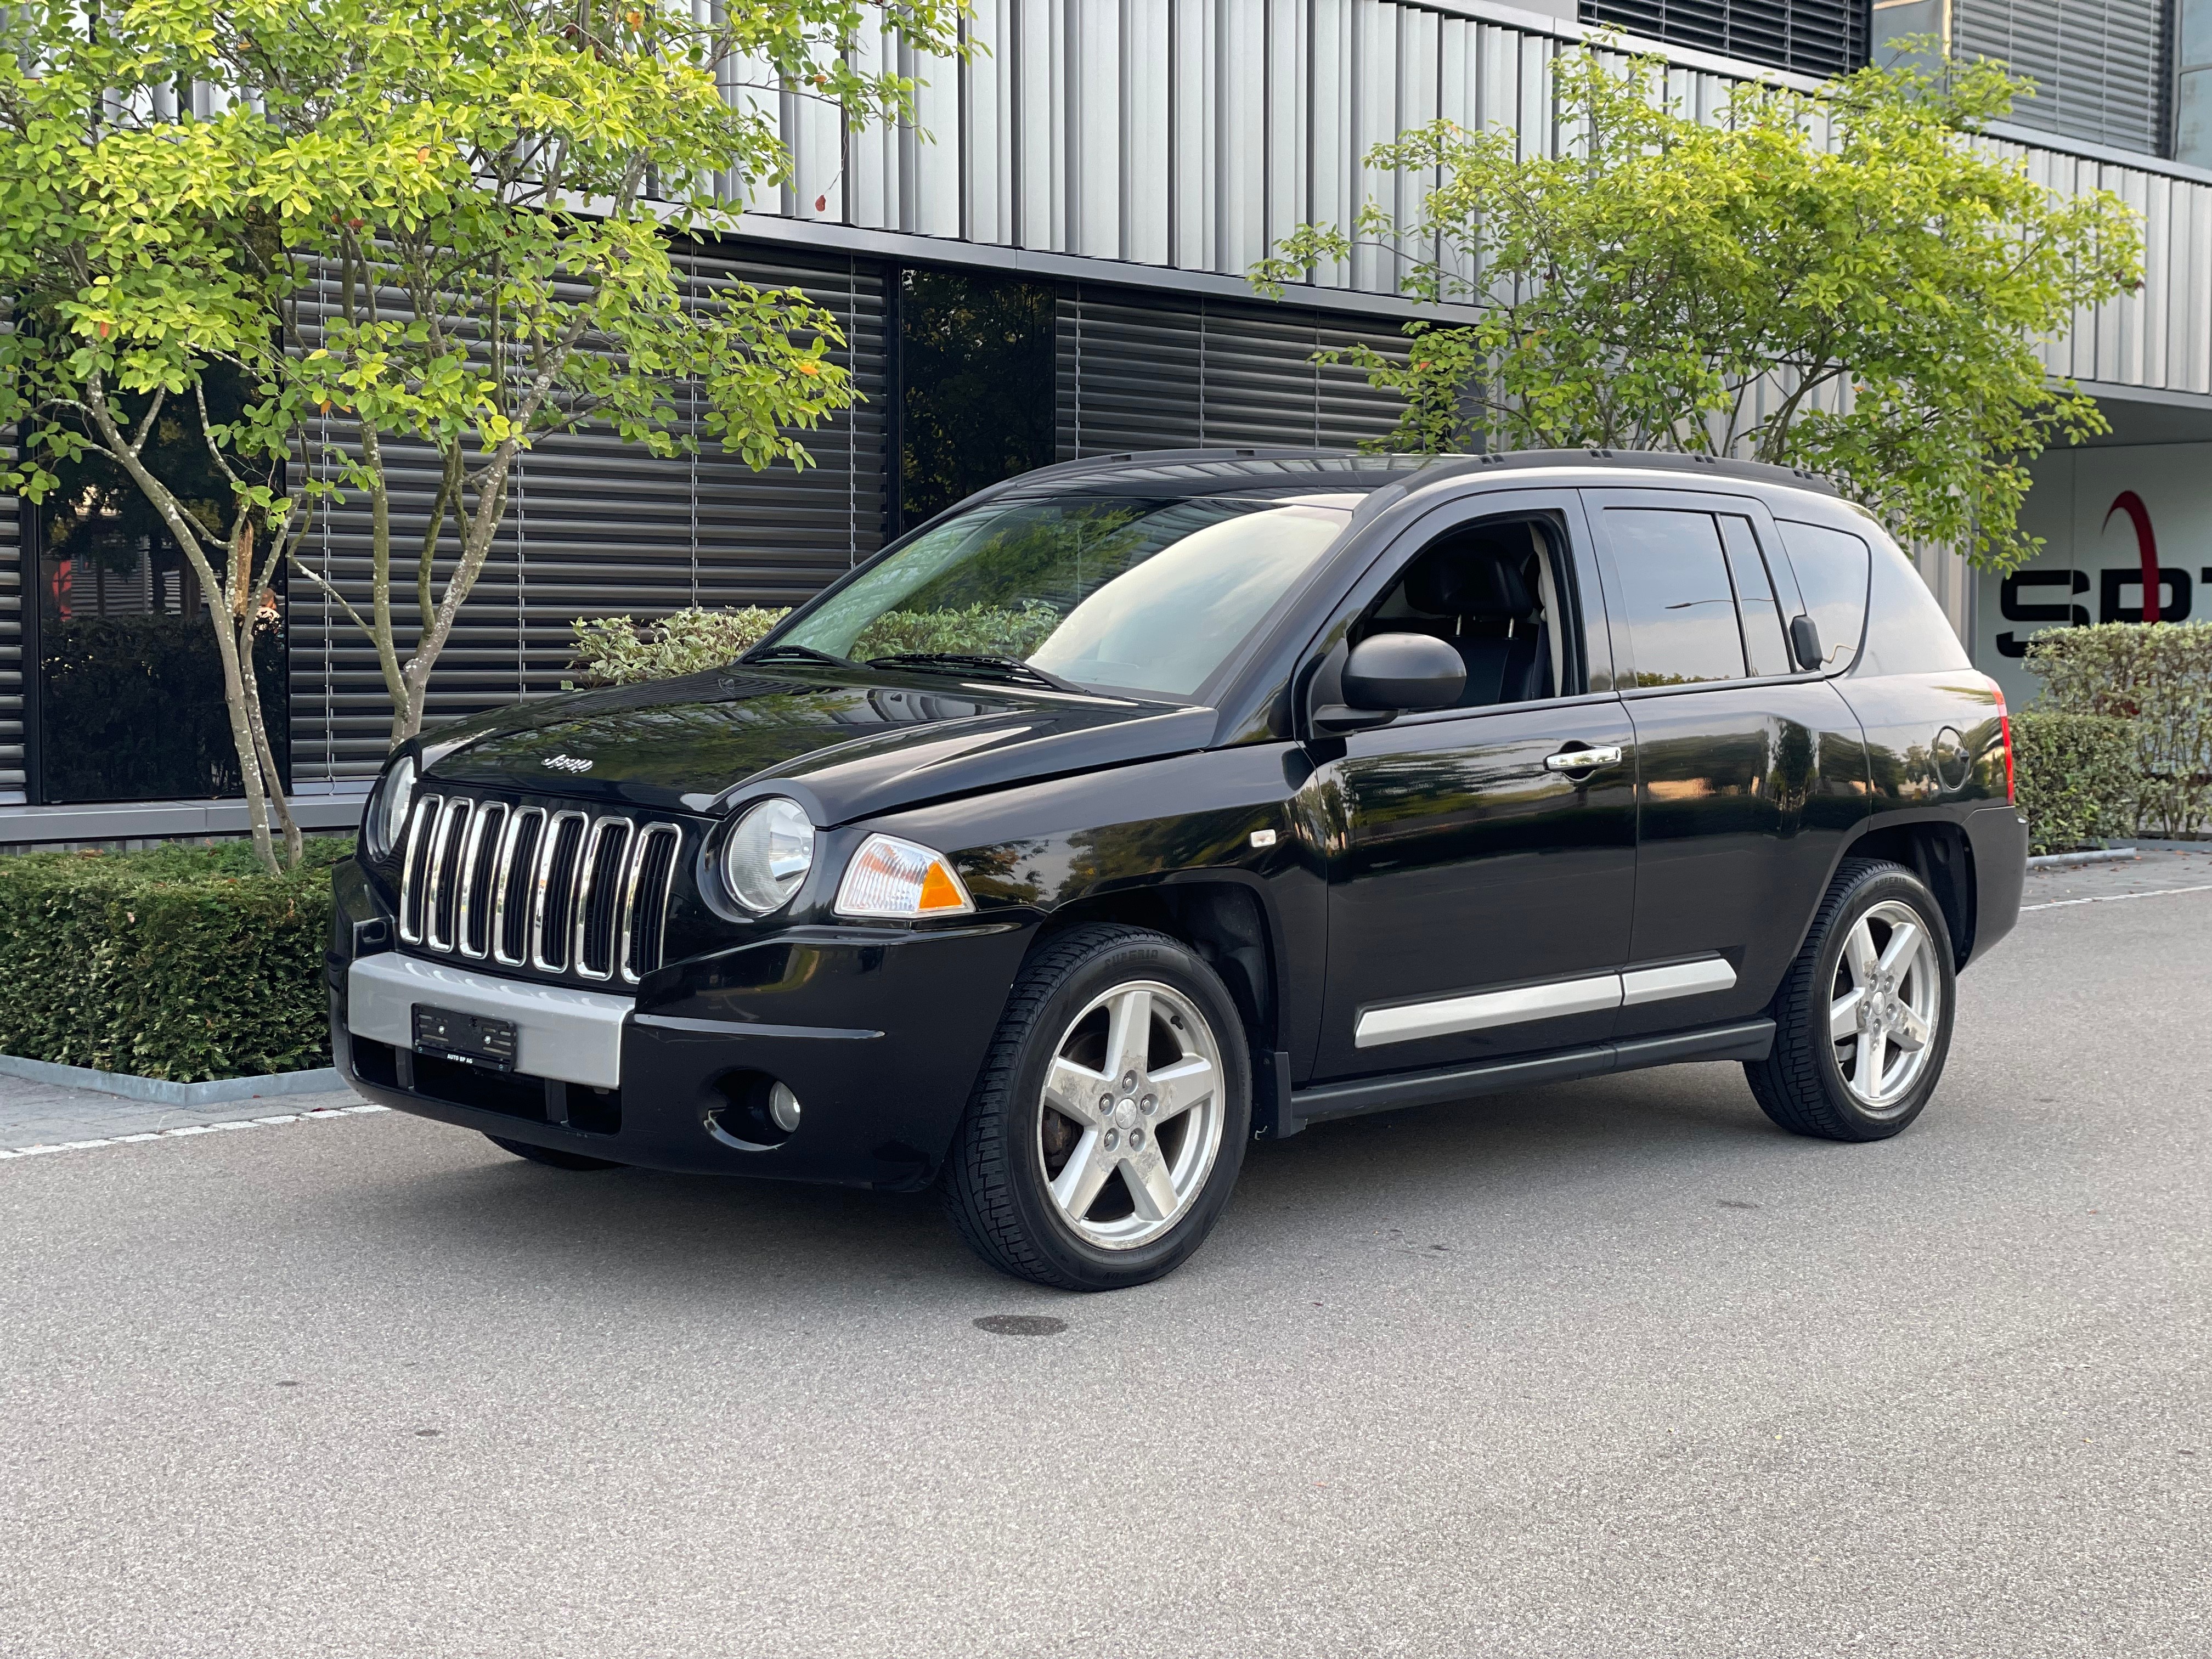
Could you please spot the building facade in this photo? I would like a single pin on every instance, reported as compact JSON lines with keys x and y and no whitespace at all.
{"x":1058,"y":273}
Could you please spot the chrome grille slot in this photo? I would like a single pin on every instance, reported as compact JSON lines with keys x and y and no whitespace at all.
{"x":644,"y":907}
{"x":559,"y":891}
{"x":478,"y":860}
{"x":443,"y":902}
{"x":557,"y":869}
{"x":600,"y":900}
{"x":518,"y":863}
{"x":414,"y":880}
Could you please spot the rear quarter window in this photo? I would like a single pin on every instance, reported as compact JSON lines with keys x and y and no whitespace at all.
{"x":1832,"y":568}
{"x":1906,"y":632}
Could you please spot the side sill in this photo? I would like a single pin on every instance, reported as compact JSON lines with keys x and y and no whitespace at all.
{"x":1750,"y":1039}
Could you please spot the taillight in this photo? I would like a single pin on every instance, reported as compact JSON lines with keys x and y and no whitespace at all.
{"x":2004,"y":723}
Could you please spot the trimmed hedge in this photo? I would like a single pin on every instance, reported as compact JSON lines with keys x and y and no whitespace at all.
{"x":2075,"y":778}
{"x":2157,"y":677}
{"x":183,"y":964}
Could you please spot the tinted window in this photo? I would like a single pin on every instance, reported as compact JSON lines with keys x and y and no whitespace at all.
{"x":1908,"y":632}
{"x":1674,"y":587}
{"x":1765,"y":645}
{"x":1832,"y":573}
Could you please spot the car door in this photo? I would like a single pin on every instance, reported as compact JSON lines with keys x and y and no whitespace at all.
{"x":1480,"y":890}
{"x":1751,"y":773}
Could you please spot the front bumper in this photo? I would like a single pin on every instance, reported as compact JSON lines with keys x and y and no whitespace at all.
{"x":879,"y":1032}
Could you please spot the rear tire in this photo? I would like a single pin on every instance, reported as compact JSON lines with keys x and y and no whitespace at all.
{"x":1863,"y":1021}
{"x":1109,"y":1120}
{"x":552,"y":1155}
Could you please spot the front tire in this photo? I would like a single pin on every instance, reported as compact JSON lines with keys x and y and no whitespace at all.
{"x":1109,"y":1120}
{"x":1863,"y":1021}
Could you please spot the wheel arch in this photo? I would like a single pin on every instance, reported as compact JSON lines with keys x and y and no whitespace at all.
{"x":1221,"y":915}
{"x":1937,"y":851}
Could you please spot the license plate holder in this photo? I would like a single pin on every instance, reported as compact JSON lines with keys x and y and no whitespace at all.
{"x":471,"y":1039}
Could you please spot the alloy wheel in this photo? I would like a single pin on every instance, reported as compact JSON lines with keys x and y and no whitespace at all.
{"x":1885,"y":1005}
{"x":1131,"y":1114}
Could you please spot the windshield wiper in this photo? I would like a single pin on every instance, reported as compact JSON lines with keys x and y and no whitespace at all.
{"x":796,"y":653}
{"x":962,"y":662}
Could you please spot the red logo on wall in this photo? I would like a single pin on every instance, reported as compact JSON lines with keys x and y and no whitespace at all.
{"x":2129,"y":502}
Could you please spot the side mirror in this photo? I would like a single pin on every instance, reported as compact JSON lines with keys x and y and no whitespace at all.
{"x":1805,"y":643}
{"x":1402,"y":672}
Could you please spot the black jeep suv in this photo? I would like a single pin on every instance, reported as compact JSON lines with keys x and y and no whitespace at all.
{"x":1142,"y":807}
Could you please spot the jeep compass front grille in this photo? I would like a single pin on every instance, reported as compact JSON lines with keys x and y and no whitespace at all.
{"x":561,"y":891}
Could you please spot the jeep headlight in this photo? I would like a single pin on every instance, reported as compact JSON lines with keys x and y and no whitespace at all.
{"x":385,"y":821}
{"x":767,"y":855}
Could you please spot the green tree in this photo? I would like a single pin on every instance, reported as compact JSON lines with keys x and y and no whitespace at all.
{"x":1868,"y":307}
{"x":444,"y":225}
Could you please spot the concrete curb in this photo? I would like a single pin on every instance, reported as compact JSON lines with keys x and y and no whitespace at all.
{"x":2062,"y":860}
{"x":327,"y":1080}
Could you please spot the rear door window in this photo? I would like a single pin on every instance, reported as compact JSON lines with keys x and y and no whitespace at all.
{"x":1765,"y":642}
{"x":1832,"y":573}
{"x":1675,"y":595}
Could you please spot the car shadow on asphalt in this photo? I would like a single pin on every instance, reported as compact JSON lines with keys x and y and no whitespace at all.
{"x":663,"y":1230}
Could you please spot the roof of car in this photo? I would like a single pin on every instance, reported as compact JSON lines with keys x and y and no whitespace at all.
{"x":1286,"y":472}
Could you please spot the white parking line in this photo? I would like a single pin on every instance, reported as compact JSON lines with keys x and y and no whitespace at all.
{"x":321,"y":1113}
{"x":2114,"y":898}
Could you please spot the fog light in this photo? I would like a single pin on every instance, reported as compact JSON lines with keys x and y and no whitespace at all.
{"x":783,"y":1107}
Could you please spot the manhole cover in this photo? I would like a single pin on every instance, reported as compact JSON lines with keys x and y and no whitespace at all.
{"x":1021,"y":1325}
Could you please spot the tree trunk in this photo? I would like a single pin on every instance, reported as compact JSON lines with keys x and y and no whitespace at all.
{"x":186,"y":535}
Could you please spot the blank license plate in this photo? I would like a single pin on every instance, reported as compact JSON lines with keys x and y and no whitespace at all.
{"x":471,"y":1039}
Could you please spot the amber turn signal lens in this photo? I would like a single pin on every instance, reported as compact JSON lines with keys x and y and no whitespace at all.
{"x":897,"y":879}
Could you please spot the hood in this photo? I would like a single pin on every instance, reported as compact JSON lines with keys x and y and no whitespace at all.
{"x":860,"y":745}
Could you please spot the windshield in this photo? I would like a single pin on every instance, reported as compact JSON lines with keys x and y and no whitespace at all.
{"x":1146,"y":596}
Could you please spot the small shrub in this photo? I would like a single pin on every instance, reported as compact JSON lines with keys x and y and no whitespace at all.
{"x":989,"y":630}
{"x":616,"y":651}
{"x":2157,"y":677}
{"x":2075,"y":778}
{"x":184,"y":964}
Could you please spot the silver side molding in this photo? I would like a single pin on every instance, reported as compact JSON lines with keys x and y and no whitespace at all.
{"x":1676,"y":978}
{"x":1408,"y":1021}
{"x":573,"y":1036}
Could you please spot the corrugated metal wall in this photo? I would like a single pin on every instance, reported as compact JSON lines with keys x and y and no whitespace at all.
{"x":1191,"y":134}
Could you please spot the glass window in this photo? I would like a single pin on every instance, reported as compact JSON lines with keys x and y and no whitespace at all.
{"x":1675,"y":595}
{"x":977,"y":402}
{"x":1765,"y":643}
{"x":1908,"y":632}
{"x":131,"y":704}
{"x":1145,"y":596}
{"x":1832,"y":573}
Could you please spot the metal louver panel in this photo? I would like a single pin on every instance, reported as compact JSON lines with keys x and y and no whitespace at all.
{"x":1814,"y":37}
{"x":597,"y":527}
{"x":1140,"y":372}
{"x":2099,"y":66}
{"x":563,"y":892}
{"x":15,"y":589}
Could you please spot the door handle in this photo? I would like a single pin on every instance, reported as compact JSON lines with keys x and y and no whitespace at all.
{"x":1585,"y":759}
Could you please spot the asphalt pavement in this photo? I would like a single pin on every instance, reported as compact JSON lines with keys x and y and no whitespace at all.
{"x":1612,"y":1368}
